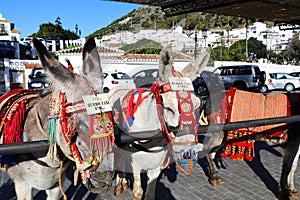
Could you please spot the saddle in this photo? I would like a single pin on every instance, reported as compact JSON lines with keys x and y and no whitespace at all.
{"x":242,"y":106}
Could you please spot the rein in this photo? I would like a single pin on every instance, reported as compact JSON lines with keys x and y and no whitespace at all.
{"x":157,"y":89}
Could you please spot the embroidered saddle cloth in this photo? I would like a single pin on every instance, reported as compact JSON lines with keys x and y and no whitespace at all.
{"x":243,"y":106}
{"x":13,"y":107}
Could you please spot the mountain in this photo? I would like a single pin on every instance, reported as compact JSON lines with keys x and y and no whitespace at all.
{"x":150,"y":17}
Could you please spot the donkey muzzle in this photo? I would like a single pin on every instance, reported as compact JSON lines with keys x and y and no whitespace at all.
{"x":100,"y":182}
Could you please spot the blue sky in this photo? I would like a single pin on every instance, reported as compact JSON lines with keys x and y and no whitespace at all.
{"x":90,"y":15}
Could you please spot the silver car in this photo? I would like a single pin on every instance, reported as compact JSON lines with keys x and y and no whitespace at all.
{"x":243,"y":77}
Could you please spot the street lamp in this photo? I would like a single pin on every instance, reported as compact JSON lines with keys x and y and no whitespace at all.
{"x":204,"y":34}
{"x":76,"y":29}
{"x":189,"y":33}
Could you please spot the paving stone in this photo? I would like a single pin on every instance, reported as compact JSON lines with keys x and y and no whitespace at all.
{"x":243,"y":181}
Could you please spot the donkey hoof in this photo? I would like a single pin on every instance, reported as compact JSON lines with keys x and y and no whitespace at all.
{"x":125,"y":187}
{"x":220,"y":181}
{"x":137,"y":198}
{"x":294,"y":195}
{"x":118,"y":190}
{"x":214,"y":183}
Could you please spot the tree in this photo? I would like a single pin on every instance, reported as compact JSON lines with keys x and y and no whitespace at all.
{"x":237,"y":50}
{"x":292,"y":54}
{"x":54,"y":31}
{"x":257,"y":47}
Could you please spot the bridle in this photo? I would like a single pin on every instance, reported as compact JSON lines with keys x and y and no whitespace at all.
{"x":185,"y":107}
{"x":187,"y":117}
{"x":67,"y":114}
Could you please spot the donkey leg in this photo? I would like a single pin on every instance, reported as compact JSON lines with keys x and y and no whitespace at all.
{"x":137,"y":190}
{"x":214,"y":178}
{"x":121,"y":183}
{"x":291,"y":185}
{"x":53,"y":193}
{"x":215,"y":142}
{"x":23,"y":190}
{"x":151,"y":184}
{"x":290,"y":159}
{"x":124,"y":183}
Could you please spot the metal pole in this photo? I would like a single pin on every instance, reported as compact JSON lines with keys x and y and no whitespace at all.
{"x":38,"y":146}
{"x":24,"y":147}
{"x":195,"y":51}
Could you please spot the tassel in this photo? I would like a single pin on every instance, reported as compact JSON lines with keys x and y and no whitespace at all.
{"x":13,"y":128}
{"x":51,"y":131}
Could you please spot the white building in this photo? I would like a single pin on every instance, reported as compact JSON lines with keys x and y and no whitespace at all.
{"x":7,"y":30}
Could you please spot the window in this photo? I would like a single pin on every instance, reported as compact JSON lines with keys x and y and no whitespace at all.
{"x":245,"y":71}
{"x":120,"y":75}
{"x":141,"y":74}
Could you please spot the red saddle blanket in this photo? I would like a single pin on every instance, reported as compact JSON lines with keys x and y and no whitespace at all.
{"x":243,"y":106}
{"x":13,"y":106}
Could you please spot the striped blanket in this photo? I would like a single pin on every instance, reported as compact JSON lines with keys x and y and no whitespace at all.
{"x":243,"y":106}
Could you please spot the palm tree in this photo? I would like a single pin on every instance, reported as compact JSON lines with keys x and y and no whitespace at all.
{"x":245,"y":23}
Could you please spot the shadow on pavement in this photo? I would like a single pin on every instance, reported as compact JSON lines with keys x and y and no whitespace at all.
{"x":259,"y":169}
{"x":162,"y":192}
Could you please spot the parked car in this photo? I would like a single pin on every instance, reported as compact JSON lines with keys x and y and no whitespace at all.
{"x":244,"y":77}
{"x":114,"y":79}
{"x":38,"y":79}
{"x":25,"y":50}
{"x":281,"y":81}
{"x":296,"y":74}
{"x":7,"y":50}
{"x":207,"y":82}
{"x":144,"y":76}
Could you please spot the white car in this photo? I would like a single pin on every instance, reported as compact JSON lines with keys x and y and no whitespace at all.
{"x":280,"y":81}
{"x":113,"y":79}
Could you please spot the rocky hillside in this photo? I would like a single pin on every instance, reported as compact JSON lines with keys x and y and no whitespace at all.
{"x":149,"y":17}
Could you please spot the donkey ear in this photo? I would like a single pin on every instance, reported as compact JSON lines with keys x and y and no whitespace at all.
{"x":193,"y":70}
{"x":165,"y":63}
{"x":59,"y":74}
{"x":91,"y":64}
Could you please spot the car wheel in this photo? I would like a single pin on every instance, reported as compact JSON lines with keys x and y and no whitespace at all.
{"x":202,"y":90}
{"x":264,"y":89}
{"x":289,"y":87}
{"x":105,"y":90}
{"x":241,"y":86}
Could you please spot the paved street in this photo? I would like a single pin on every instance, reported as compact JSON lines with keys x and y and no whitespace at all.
{"x":243,"y":181}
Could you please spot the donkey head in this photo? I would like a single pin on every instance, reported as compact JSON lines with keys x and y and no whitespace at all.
{"x":74,"y":126}
{"x":179,"y":106}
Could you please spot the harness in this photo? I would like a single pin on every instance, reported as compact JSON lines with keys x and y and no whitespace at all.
{"x":185,"y":107}
{"x":101,"y":130}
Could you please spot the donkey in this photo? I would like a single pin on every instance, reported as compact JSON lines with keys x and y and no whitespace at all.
{"x":291,"y":150}
{"x":158,"y":109}
{"x":71,"y":140}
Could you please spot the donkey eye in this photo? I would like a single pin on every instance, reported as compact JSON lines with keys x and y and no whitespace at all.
{"x":169,"y":109}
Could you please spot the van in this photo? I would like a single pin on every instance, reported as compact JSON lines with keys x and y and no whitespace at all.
{"x":243,"y":77}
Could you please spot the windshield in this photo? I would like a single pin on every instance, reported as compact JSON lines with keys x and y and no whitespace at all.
{"x":39,"y":72}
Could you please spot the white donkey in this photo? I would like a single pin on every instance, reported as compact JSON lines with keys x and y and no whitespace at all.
{"x":158,"y":109}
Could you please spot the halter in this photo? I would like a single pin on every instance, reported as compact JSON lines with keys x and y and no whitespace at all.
{"x":185,"y":107}
{"x":67,"y":113}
